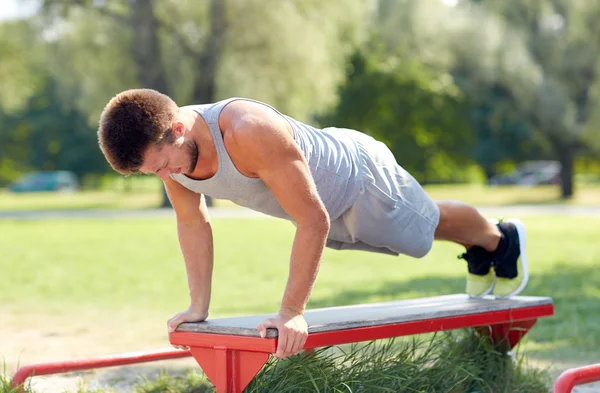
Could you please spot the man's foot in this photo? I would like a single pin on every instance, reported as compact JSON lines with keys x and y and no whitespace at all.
{"x":510,"y":266}
{"x":480,"y":279}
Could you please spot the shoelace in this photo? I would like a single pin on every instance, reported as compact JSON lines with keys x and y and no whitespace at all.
{"x":477,"y":259}
{"x":473,"y":254}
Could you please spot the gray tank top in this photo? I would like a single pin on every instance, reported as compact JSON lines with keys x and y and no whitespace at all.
{"x":332,"y":157}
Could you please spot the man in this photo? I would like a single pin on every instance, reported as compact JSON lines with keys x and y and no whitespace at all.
{"x":340,"y":188}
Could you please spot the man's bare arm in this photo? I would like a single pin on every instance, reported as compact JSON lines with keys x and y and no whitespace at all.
{"x":196,"y":242}
{"x":260,"y":140}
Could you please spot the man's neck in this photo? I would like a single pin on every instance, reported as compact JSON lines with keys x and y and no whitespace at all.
{"x":199,"y":132}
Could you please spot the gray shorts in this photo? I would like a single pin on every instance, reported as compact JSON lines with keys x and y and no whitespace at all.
{"x":392,"y":213}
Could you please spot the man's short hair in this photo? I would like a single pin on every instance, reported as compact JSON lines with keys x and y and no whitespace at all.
{"x":131,"y":122}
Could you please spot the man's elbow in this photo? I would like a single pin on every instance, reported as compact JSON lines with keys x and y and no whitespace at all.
{"x":193,"y":222}
{"x":318,"y":221}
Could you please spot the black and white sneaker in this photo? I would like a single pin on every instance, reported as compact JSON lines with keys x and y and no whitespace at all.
{"x":480,"y":276}
{"x":510,"y":260}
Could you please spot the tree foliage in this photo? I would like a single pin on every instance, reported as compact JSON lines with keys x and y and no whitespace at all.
{"x":562,"y":39}
{"x":420,"y":116}
{"x":43,"y":136}
{"x":484,"y":81}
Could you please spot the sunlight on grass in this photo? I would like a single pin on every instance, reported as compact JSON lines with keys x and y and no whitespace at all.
{"x":59,"y":267}
{"x":481,"y":195}
{"x":80,"y":200}
{"x":150,"y":196}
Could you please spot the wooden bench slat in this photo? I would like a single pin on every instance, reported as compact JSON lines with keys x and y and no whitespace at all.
{"x":357,"y":316}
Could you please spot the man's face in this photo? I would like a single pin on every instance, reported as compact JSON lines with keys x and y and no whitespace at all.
{"x":180,"y":156}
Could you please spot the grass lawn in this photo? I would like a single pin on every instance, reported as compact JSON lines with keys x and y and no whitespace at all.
{"x":80,"y":200}
{"x":477,"y":194}
{"x":120,"y":272}
{"x":150,"y":197}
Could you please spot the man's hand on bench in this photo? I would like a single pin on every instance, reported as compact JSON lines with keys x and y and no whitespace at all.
{"x":189,"y":315}
{"x":292,"y":332}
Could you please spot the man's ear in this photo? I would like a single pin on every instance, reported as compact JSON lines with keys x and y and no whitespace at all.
{"x":177,"y":129}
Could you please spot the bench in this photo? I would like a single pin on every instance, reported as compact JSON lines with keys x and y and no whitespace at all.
{"x":231,"y":352}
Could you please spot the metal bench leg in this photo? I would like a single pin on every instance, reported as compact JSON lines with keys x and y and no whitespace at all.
{"x":228,"y":369}
{"x":507,"y":335}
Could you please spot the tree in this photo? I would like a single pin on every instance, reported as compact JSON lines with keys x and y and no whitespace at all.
{"x":552,"y":82}
{"x":502,"y":135}
{"x":535,"y":59}
{"x":19,"y":69}
{"x":140,"y":17}
{"x":211,"y":50}
{"x":421,"y":116}
{"x":44,"y":132}
{"x":21,"y":76}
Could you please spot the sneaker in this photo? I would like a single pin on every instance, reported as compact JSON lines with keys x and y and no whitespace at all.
{"x":481,"y":278}
{"x":511,"y":268}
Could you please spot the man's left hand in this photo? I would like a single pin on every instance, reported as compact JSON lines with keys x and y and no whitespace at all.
{"x":292,"y":335}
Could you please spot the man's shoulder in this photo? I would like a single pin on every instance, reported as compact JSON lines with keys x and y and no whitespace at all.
{"x":239,"y":113}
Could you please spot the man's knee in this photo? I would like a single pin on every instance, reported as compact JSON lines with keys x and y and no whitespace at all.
{"x":420,"y":249}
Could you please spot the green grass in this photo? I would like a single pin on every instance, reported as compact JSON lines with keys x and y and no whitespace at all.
{"x":150,"y":196}
{"x":80,"y":200}
{"x":58,"y":266}
{"x":480,"y":195}
{"x":110,"y":192}
{"x":130,"y":271}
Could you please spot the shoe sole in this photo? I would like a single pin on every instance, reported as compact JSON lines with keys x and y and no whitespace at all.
{"x":522,"y":248}
{"x":487,"y":292}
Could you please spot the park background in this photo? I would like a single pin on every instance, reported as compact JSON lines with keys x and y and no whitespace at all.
{"x":491,"y":102}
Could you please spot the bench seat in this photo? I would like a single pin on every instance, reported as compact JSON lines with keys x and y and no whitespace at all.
{"x":375,"y":314}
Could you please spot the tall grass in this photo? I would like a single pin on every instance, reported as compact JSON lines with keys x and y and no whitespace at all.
{"x":449,"y":362}
{"x":5,"y":383}
{"x":149,"y":195}
{"x":5,"y":386}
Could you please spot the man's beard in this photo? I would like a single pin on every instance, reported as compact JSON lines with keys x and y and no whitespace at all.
{"x":192,"y":148}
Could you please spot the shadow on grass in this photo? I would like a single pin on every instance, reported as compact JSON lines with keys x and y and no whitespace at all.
{"x":571,"y":335}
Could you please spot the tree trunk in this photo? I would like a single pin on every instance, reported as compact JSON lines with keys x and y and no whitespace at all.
{"x":208,"y":59}
{"x":146,"y":46}
{"x":147,"y":54}
{"x":567,"y":160}
{"x":489,"y":172}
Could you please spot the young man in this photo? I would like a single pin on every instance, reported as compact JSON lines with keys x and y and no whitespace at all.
{"x":340,"y":188}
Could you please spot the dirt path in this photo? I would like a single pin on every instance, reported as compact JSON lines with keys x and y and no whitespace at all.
{"x":31,"y":339}
{"x":240,"y":212}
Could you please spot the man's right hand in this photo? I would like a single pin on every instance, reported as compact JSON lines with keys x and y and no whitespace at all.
{"x":189,"y":315}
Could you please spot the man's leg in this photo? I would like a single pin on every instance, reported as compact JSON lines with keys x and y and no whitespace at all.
{"x":394,"y":212}
{"x":495,"y":251}
{"x":462,"y":224}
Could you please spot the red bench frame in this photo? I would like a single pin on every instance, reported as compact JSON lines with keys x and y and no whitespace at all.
{"x":231,"y":362}
{"x":576,"y":376}
{"x":122,"y":359}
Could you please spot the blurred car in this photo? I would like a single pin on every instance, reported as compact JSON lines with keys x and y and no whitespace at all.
{"x":49,"y":181}
{"x":530,"y":173}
